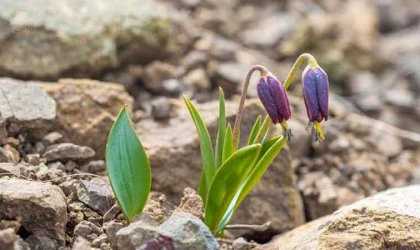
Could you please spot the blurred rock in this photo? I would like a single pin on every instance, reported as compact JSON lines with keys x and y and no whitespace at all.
{"x":41,"y":209}
{"x":375,"y":223}
{"x":191,"y":203}
{"x":96,"y":194}
{"x":161,"y":108}
{"x":400,"y":43}
{"x":197,"y":79}
{"x":396,"y":15}
{"x":10,"y":241}
{"x":86,"y":110}
{"x":156,"y":73}
{"x":105,"y":35}
{"x":81,"y":244}
{"x":177,"y":141}
{"x":136,"y":234}
{"x":86,"y":228}
{"x":25,"y":106}
{"x":67,"y":151}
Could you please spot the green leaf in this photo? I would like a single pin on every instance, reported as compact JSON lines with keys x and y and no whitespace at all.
{"x":206,"y":146}
{"x":202,"y":187}
{"x":228,"y":144}
{"x":127,"y":166}
{"x":221,"y":130}
{"x":263,"y":130}
{"x":254,"y":130}
{"x":226,"y":182}
{"x":269,"y":150}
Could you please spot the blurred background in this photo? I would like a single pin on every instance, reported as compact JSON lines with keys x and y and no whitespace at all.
{"x":158,"y":50}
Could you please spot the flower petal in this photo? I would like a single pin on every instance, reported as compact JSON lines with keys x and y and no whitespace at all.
{"x":278,"y":93}
{"x":267,"y":100}
{"x":310,"y":93}
{"x":323,"y":92}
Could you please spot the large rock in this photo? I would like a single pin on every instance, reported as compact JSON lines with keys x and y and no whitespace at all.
{"x":41,"y":209}
{"x":44,"y":40}
{"x":86,"y":110}
{"x":174,"y":154}
{"x":96,"y":194}
{"x":388,"y":220}
{"x":24,"y":105}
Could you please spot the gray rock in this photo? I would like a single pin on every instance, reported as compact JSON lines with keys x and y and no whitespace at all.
{"x":52,"y":138}
{"x":25,"y":105}
{"x":94,"y":166}
{"x":161,"y":108}
{"x":40,"y":242}
{"x":69,"y":186}
{"x":197,"y":79}
{"x":10,"y":241}
{"x":81,"y":244}
{"x":96,"y":194}
{"x":100,"y":240}
{"x":112,"y":213}
{"x":111,"y":229}
{"x":389,"y":218}
{"x":85,"y":228}
{"x":10,"y":168}
{"x":156,"y":73}
{"x":41,"y":209}
{"x":67,"y":151}
{"x":136,"y":234}
{"x":104,"y":35}
{"x":4,"y":155}
{"x":188,"y":233}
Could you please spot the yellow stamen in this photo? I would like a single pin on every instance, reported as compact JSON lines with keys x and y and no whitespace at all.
{"x":318,"y":129}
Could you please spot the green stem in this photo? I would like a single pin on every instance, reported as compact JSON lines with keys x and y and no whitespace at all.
{"x":301,"y":59}
{"x":236,"y":127}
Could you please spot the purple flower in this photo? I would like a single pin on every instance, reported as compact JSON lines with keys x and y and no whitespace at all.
{"x":316,"y":95}
{"x":274,"y":98}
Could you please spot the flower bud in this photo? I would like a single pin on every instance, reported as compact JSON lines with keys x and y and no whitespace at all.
{"x":316,"y":95}
{"x":274,"y":98}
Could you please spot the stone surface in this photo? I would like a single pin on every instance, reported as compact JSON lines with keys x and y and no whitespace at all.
{"x":10,"y":241}
{"x":25,"y":106}
{"x":86,"y":228}
{"x":136,"y":234}
{"x":388,"y":220}
{"x":176,"y":142}
{"x":67,"y":151}
{"x":86,"y":110}
{"x":96,"y":194}
{"x":41,"y":209}
{"x":191,"y":203}
{"x":104,"y":35}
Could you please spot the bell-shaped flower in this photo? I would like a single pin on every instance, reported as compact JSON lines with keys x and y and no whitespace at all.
{"x":274,"y":98}
{"x":316,"y":96}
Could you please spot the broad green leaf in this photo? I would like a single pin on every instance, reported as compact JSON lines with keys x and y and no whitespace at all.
{"x":269,"y":150}
{"x":254,"y":130}
{"x":206,"y":146}
{"x":226,"y":182}
{"x":221,"y":130}
{"x":228,"y":144}
{"x":263,"y":130}
{"x":128,"y":167}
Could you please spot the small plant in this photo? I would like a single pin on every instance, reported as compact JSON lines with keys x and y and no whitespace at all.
{"x":230,"y":173}
{"x":128,"y":167}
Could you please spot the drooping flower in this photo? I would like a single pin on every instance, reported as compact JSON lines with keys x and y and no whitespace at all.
{"x":274,"y":98}
{"x":316,"y":95}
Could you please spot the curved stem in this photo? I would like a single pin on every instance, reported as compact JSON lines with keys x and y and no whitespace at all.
{"x":264,"y":72}
{"x":301,"y":59}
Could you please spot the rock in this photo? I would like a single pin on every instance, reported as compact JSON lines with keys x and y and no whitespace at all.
{"x":111,"y":229}
{"x":85,"y":228}
{"x":188,"y":232}
{"x":112,"y":213}
{"x":41,"y":209}
{"x":33,"y":159}
{"x":400,"y":98}
{"x":136,"y":234}
{"x":69,"y":186}
{"x":14,"y":155}
{"x":96,"y":194}
{"x":100,"y":240}
{"x":191,"y":203}
{"x":94,"y":166}
{"x":177,"y":141}
{"x":87,"y":110}
{"x":52,"y":138}
{"x":397,"y":45}
{"x":156,"y":73}
{"x":67,"y":151}
{"x":4,"y":155}
{"x":9,"y":168}
{"x":25,"y":106}
{"x":10,"y":241}
{"x":161,"y":108}
{"x":55,"y":44}
{"x":394,"y":15}
{"x":389,"y":145}
{"x":81,"y":244}
{"x":375,"y":223}
{"x":197,"y":79}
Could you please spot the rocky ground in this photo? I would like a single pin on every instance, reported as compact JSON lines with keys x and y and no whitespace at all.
{"x":54,"y":122}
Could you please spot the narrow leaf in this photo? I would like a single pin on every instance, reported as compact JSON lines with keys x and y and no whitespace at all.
{"x":269,"y":150}
{"x":254,"y":130}
{"x":206,"y":146}
{"x":226,"y":182}
{"x":202,"y":187}
{"x":228,"y":144}
{"x":263,"y":130}
{"x":221,"y":130}
{"x":128,"y":167}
